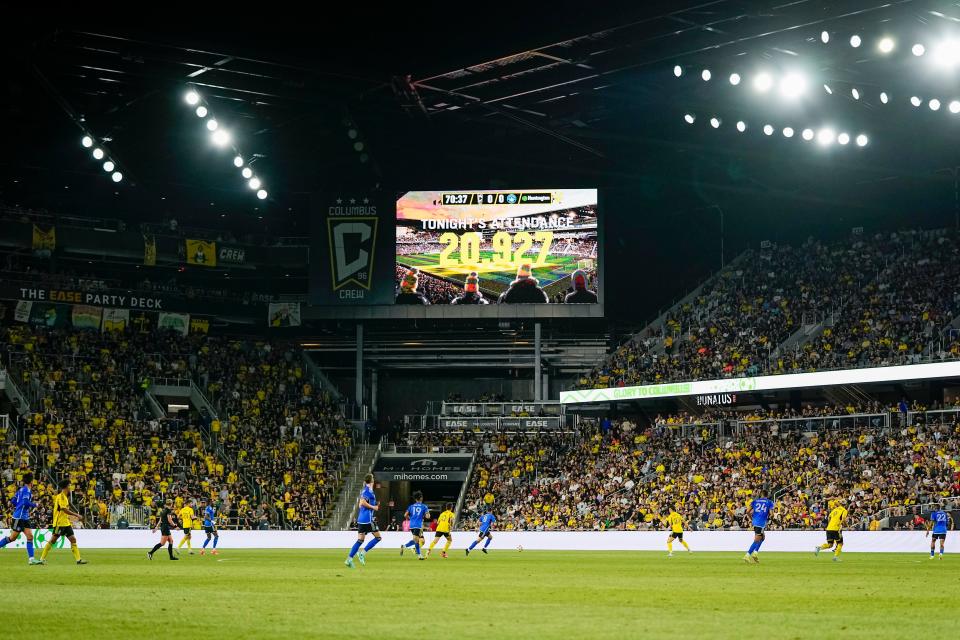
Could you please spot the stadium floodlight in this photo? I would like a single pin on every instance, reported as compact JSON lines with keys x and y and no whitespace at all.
{"x":762,"y":82}
{"x":768,"y":129}
{"x":741,"y":126}
{"x":855,"y":41}
{"x":262,"y":194}
{"x":824,"y":37}
{"x":788,"y":132}
{"x":884,"y":98}
{"x":247,"y":172}
{"x":108,"y":166}
{"x":886,"y":44}
{"x":918,"y":49}
{"x":807,"y":134}
{"x":843,"y":138}
{"x":689,"y":118}
{"x":706,"y":75}
{"x":87,"y":142}
{"x":220,"y":137}
{"x":862,"y":140}
{"x":192,"y":97}
{"x":201,"y":111}
{"x":254,"y":183}
{"x":947,"y":54}
{"x":792,"y":85}
{"x":677,"y":71}
{"x":117,"y":176}
{"x":827,"y":88}
{"x":715,"y":122}
{"x":98,"y":154}
{"x":855,"y":93}
{"x":826,"y":136}
{"x":915,"y":101}
{"x":212,"y":124}
{"x":734,"y":79}
{"x":238,"y":162}
{"x":955,"y":106}
{"x":934,"y":105}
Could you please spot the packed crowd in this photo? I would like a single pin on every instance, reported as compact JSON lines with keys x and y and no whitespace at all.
{"x":883,"y":300}
{"x":271,"y":459}
{"x":625,"y":477}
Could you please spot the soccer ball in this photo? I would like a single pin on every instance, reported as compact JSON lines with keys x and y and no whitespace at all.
{"x":519,"y":547}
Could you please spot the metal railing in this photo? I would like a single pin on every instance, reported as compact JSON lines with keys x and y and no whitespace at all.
{"x":817,"y":423}
{"x":883,"y":516}
{"x":943,"y":416}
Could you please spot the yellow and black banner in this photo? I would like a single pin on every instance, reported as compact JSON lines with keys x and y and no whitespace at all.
{"x":201,"y":252}
{"x":149,"y":251}
{"x":44,"y":240}
{"x":199,"y":325}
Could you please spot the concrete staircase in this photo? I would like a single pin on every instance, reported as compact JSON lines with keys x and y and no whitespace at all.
{"x":360,"y":465}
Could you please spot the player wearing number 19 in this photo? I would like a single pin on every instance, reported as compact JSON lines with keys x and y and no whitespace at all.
{"x":61,"y":523}
{"x":759,"y":511}
{"x":417,"y":512}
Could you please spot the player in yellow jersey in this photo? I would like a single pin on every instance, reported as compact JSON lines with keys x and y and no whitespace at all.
{"x":62,"y":527}
{"x":186,"y":520}
{"x":675,"y":521}
{"x":834,"y":531}
{"x":444,"y":525}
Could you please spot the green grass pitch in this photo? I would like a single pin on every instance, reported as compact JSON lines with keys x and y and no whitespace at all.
{"x":494,"y":276}
{"x":506,"y":594}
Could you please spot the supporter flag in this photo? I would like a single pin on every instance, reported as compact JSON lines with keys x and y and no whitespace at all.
{"x":149,"y":251}
{"x":283,"y":314}
{"x":115,"y":319}
{"x":44,"y":240}
{"x":22,"y":312}
{"x":86,"y":317}
{"x":49,"y":315}
{"x":201,"y":252}
{"x":179,"y":322}
{"x":143,"y":321}
{"x":199,"y":325}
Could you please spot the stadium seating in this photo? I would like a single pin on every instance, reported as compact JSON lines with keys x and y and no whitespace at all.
{"x":877,"y":301}
{"x":273,"y":457}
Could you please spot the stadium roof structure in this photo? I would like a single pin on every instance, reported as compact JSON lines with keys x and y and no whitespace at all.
{"x":586,"y":97}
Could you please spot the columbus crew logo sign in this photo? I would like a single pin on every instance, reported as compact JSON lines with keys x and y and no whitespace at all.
{"x":352,"y":243}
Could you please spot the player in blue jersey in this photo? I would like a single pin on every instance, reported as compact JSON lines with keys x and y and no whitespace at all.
{"x":366,"y":523}
{"x":22,"y":504}
{"x":760,"y":510}
{"x":417,"y":512}
{"x":486,"y":523}
{"x":939,"y":522}
{"x":210,"y":527}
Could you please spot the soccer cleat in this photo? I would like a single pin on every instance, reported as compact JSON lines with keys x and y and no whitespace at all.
{"x":349,"y":562}
{"x":816,"y":551}
{"x":837,"y":559}
{"x":191,"y":553}
{"x":670,"y":555}
{"x":941,"y":556}
{"x":403,"y":548}
{"x":422,"y":557}
{"x":202,"y":551}
{"x":755,"y":557}
{"x":149,"y":555}
{"x":468,"y":551}
{"x":81,"y":561}
{"x":174,"y":558}
{"x":443,"y":554}
{"x":34,"y":561}
{"x":931,"y":556}
{"x":484,"y":549}
{"x":428,"y":553}
{"x":214,"y":553}
{"x":362,"y":557}
{"x":746,"y":558}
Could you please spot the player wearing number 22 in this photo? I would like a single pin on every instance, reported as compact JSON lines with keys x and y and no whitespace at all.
{"x":760,"y":510}
{"x":61,"y":523}
{"x":940,"y":521}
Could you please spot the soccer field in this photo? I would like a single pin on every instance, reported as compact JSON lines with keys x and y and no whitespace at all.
{"x":495,"y":277}
{"x":506,"y":594}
